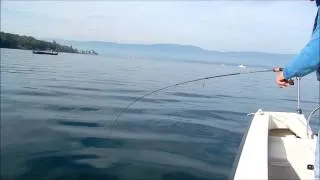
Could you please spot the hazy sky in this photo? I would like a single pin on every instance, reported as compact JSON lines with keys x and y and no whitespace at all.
{"x":269,"y":26}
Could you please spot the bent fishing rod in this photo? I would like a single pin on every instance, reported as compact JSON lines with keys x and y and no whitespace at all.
{"x":277,"y":69}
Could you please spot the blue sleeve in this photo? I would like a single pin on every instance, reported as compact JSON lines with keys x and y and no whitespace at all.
{"x":308,"y":60}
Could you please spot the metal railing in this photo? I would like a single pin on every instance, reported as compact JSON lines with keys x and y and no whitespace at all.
{"x":309,"y":118}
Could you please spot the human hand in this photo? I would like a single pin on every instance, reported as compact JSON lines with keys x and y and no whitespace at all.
{"x":281,"y":81}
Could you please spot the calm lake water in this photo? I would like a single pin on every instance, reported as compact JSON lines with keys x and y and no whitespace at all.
{"x":57,"y":112}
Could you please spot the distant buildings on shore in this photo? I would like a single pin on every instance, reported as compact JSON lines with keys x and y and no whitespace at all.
{"x":92,"y":52}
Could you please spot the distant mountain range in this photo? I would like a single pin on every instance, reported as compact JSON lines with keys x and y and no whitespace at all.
{"x":104,"y":47}
{"x":176,"y":51}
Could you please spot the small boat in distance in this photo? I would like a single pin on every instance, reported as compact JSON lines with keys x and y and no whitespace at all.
{"x":50,"y":52}
{"x":242,"y":66}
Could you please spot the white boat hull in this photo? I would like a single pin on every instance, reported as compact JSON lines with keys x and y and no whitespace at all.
{"x":276,"y":146}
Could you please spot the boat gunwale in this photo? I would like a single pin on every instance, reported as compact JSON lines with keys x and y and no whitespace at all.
{"x":240,"y":149}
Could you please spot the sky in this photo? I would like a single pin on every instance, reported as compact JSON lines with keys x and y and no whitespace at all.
{"x":266,"y":26}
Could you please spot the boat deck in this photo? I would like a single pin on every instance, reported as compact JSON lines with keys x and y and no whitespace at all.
{"x":289,"y":156}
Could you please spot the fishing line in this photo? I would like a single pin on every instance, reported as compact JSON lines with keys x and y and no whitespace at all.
{"x":114,"y":121}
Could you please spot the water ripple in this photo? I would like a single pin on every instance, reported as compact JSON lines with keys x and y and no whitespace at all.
{"x":76,"y":88}
{"x":191,"y":95}
{"x":205,"y":114}
{"x":41,"y":93}
{"x":100,"y":142}
{"x":82,"y":124}
{"x":69,"y":108}
{"x":133,"y":98}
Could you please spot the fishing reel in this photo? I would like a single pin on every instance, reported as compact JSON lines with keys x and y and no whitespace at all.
{"x":279,"y":69}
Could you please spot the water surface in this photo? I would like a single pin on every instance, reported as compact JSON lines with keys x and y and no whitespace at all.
{"x":57,"y":112}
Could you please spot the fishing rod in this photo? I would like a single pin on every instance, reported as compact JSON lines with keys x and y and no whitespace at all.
{"x":277,"y":69}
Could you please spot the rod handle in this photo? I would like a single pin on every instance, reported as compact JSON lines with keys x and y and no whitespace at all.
{"x":277,"y":69}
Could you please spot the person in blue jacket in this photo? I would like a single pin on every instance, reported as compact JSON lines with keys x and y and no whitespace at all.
{"x":306,"y":62}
